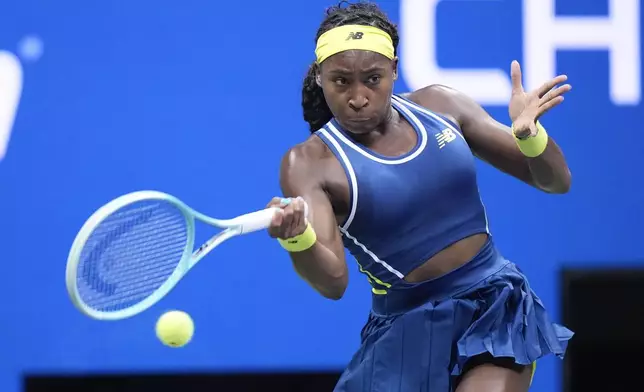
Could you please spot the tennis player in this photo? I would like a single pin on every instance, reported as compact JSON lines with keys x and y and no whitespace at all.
{"x":392,"y":179}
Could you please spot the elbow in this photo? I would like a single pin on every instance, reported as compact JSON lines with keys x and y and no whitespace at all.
{"x":559,"y":185}
{"x":563,"y":185}
{"x":334,"y":295}
{"x":562,"y":190}
{"x":335,"y":289}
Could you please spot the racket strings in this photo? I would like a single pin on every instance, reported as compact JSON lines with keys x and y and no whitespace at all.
{"x":131,"y":254}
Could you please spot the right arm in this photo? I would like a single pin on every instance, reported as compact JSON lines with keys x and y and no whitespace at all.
{"x":322,"y":265}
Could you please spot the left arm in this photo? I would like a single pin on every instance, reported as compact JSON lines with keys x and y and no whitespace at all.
{"x":496,"y":144}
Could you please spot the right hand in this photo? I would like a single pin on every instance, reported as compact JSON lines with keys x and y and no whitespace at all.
{"x":290,"y":220}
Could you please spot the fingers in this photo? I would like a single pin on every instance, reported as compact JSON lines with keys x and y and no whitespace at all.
{"x":297,"y":206}
{"x":541,"y":100}
{"x":549,"y":85}
{"x":515,"y":75}
{"x":276,"y":202}
{"x":276,"y":222}
{"x":552,"y":98}
{"x":290,"y":220}
{"x":549,"y":105}
{"x":555,"y":93}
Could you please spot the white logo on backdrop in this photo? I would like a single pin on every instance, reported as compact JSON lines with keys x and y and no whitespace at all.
{"x":30,"y":48}
{"x":544,"y":34}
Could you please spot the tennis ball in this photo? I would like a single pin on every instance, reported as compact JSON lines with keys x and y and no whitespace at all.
{"x":175,"y":328}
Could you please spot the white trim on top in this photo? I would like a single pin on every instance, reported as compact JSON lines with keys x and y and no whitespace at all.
{"x":417,"y":122}
{"x":429,"y":113}
{"x":353,"y":182}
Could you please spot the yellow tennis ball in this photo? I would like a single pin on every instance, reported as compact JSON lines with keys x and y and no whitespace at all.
{"x":175,"y":328}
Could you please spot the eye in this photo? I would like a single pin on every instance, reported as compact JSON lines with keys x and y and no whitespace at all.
{"x":375,"y":79}
{"x":340,"y":81}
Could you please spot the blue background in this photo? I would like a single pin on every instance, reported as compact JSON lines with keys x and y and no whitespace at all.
{"x":201,"y":100}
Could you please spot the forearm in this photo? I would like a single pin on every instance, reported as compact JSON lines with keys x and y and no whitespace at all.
{"x":549,"y":170}
{"x":322,"y":269}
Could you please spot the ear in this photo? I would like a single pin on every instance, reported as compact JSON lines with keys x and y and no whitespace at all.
{"x":318,"y":77}
{"x":395,"y":65}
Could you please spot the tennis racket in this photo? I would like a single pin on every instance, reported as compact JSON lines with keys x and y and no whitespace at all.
{"x":132,"y":251}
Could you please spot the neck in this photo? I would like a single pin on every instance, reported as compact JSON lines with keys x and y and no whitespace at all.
{"x":389,"y":122}
{"x":387,"y":125}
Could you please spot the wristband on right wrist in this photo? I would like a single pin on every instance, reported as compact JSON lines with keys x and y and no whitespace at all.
{"x":300,"y":242}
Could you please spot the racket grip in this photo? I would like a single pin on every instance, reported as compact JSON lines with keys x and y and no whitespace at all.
{"x":254,"y":221}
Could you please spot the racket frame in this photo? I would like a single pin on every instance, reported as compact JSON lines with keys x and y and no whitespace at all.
{"x":242,"y":224}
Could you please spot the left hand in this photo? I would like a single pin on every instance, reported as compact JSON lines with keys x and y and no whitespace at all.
{"x":526,"y":108}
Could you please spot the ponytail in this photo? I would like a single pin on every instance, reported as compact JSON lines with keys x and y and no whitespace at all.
{"x":315,"y":109}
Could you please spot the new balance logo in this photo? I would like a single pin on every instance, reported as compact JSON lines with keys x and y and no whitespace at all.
{"x":357,"y":35}
{"x":10,"y":91}
{"x":444,"y":137}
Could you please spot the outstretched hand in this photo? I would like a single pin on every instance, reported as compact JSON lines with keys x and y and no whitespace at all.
{"x":526,"y":107}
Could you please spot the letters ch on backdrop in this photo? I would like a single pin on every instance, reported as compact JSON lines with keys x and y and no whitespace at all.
{"x":543,"y":35}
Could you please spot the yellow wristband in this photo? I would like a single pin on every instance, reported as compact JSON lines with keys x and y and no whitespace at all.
{"x":300,"y":242}
{"x":533,"y":146}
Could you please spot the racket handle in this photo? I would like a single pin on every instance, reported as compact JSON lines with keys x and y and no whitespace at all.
{"x":254,"y":221}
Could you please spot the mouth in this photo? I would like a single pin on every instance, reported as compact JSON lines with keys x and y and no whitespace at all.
{"x":359,"y":120}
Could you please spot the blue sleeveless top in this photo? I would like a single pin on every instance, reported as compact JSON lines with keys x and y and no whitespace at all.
{"x":405,"y":209}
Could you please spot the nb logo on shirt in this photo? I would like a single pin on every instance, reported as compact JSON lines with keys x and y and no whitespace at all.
{"x":357,"y":35}
{"x":444,"y":137}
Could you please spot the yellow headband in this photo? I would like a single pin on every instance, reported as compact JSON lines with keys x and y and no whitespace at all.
{"x":350,"y":37}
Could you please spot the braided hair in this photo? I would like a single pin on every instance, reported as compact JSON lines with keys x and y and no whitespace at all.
{"x":315,"y":109}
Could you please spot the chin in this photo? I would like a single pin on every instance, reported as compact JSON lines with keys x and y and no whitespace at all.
{"x":359,"y":127}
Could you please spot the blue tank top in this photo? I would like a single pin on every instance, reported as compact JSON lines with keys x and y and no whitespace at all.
{"x":405,"y":209}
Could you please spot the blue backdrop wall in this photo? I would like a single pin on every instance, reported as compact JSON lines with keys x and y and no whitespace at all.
{"x":202,"y":99}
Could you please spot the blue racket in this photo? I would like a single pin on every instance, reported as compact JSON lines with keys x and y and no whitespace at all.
{"x":132,"y":251}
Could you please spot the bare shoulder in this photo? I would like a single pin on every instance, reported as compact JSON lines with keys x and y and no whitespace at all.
{"x":434,"y":91}
{"x":311,"y":152}
{"x":303,"y":164}
{"x":443,"y":100}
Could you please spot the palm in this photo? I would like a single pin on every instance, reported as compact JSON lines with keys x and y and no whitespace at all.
{"x":525,"y":108}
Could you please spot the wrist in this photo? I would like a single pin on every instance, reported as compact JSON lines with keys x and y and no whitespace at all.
{"x":532,"y":145}
{"x":300,"y":242}
{"x":524,"y":132}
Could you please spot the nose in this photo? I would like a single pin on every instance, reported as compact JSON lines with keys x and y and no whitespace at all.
{"x":358,"y":101}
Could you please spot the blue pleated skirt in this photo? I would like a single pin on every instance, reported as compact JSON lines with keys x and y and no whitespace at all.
{"x":418,"y":337}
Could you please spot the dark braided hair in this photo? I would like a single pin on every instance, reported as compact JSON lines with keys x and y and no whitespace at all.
{"x":316,"y":111}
